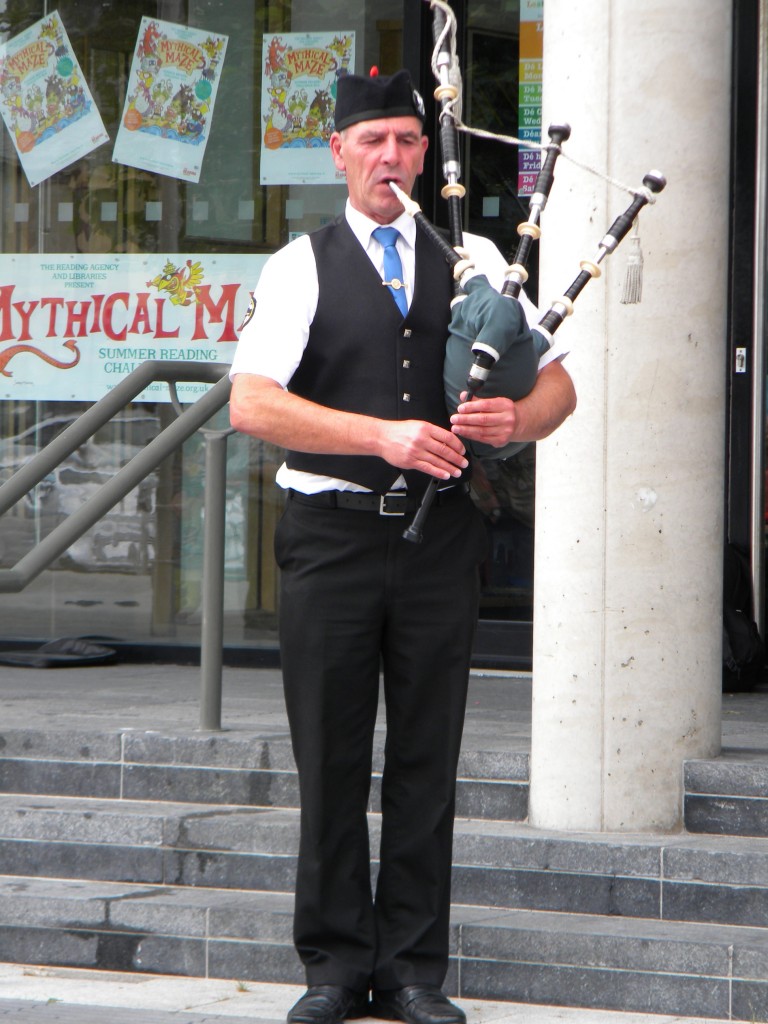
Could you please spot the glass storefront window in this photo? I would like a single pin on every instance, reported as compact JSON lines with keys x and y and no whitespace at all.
{"x":136,"y":576}
{"x":106,"y":262}
{"x":497,"y":98}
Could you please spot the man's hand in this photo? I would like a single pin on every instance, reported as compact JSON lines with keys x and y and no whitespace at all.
{"x":500,"y":421}
{"x":492,"y":421}
{"x":415,"y":444}
{"x":260,"y":407}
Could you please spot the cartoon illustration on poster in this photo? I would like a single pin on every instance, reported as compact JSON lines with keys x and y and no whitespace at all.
{"x":45,"y":102}
{"x":298,"y":98}
{"x":73,"y":326}
{"x":169,"y":104}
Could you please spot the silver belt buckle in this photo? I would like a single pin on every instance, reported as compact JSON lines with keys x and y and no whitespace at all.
{"x":392,"y":495}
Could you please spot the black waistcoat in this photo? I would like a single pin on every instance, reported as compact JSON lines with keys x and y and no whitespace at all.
{"x":363,"y":357}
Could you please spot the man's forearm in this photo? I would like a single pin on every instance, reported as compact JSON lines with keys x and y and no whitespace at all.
{"x":262,"y":408}
{"x":551,"y":401}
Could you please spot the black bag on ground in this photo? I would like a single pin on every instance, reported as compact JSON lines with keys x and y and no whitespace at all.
{"x":743,"y":648}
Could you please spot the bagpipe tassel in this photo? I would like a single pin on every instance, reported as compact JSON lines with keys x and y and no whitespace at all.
{"x":632,"y":292}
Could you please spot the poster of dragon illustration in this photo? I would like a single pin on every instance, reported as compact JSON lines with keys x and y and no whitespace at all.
{"x":169,"y":104}
{"x":45,"y":101}
{"x":298,"y":99}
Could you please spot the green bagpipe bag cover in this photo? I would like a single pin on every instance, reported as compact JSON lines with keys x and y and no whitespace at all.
{"x":498,"y":322}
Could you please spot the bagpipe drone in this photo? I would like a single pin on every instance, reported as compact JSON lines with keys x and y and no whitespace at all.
{"x":490,"y":344}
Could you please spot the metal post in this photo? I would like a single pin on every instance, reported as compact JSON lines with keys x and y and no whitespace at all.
{"x":212,"y":635}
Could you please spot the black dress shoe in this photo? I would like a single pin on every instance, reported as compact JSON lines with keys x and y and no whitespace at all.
{"x":328,"y":1004}
{"x":416,"y":1004}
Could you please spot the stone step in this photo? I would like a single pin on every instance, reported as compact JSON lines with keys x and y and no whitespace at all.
{"x":621,"y":964}
{"x":712,"y":879}
{"x":253,"y":771}
{"x":600,"y":962}
{"x":151,"y":928}
{"x":506,"y":865}
{"x":728,"y":796}
{"x":152,"y":842}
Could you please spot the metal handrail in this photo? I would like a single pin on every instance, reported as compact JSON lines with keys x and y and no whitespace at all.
{"x":187,"y":423}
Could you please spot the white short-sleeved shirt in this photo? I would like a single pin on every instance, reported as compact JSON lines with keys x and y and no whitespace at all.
{"x":272,"y":342}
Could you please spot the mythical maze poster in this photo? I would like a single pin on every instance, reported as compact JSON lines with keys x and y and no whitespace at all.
{"x":168,"y":108}
{"x":298,"y":100}
{"x":45,"y":101}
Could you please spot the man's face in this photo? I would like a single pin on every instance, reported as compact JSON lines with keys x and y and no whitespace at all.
{"x":373,"y":153}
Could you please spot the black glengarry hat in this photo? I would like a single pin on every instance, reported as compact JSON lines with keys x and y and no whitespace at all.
{"x":367,"y":99}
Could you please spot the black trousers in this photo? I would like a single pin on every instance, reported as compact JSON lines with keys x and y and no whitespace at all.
{"x":357,"y":597}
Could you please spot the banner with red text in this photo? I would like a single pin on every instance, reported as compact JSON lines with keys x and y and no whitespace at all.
{"x":73,"y":326}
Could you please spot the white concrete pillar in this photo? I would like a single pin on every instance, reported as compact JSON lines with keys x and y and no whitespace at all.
{"x":629,"y":524}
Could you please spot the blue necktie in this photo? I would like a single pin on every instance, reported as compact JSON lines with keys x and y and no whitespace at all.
{"x":393,"y":268}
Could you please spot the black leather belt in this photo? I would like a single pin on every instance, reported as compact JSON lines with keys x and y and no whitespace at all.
{"x":394,"y":503}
